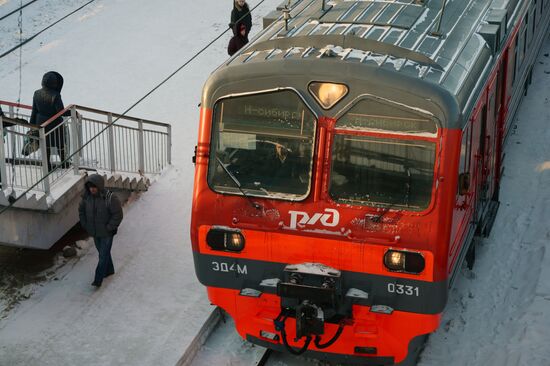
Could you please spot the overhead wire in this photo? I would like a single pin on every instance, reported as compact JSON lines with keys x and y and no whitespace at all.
{"x":171,"y":75}
{"x":22,"y":43}
{"x":20,"y":26}
{"x":21,"y":7}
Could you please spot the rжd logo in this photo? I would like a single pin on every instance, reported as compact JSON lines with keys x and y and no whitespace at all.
{"x":329,"y":218}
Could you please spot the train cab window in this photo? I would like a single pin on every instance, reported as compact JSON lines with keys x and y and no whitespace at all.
{"x":262,"y":145}
{"x":393,"y":170}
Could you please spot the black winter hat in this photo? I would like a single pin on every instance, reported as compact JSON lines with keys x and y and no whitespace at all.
{"x":53,"y":80}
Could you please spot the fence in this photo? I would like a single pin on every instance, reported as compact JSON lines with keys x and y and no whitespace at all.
{"x":30,"y":153}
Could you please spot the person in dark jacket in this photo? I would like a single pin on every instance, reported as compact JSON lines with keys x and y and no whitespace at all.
{"x":241,"y":13}
{"x":46,"y":103}
{"x":239,"y":39}
{"x":100,"y":214}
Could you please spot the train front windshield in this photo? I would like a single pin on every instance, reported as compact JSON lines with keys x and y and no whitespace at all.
{"x":262,"y":145}
{"x":375,"y":161}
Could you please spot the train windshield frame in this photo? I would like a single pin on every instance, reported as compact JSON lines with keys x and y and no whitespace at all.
{"x":262,"y":145}
{"x":383,"y":156}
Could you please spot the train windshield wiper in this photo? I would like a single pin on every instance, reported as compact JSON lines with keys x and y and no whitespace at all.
{"x":408,"y":192}
{"x":238,"y":184}
{"x":395,"y":203}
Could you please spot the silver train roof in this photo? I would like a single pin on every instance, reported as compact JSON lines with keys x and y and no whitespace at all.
{"x":449,"y":49}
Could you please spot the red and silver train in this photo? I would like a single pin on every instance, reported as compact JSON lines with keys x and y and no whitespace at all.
{"x":347,"y":157}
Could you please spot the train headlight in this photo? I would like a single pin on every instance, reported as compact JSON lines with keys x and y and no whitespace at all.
{"x":228,"y":240}
{"x":328,"y":94}
{"x":401,"y":261}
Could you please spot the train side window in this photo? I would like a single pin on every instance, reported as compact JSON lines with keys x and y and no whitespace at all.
{"x":510,"y":70}
{"x":520,"y":49}
{"x":482,"y":142}
{"x":500,"y":89}
{"x":465,"y":153}
{"x":515,"y":60}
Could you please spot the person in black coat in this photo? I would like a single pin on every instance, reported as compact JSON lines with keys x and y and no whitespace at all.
{"x":100,"y":213}
{"x":239,"y":39}
{"x":241,"y":13}
{"x":46,"y":103}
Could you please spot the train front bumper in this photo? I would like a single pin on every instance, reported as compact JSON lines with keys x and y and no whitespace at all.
{"x":368,"y":338}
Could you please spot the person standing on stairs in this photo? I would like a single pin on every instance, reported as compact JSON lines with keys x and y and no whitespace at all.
{"x":46,"y":103}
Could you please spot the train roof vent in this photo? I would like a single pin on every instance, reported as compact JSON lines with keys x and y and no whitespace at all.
{"x":291,"y":4}
{"x":272,"y":16}
{"x":399,"y":13}
{"x":498,"y":17}
{"x":490,"y":32}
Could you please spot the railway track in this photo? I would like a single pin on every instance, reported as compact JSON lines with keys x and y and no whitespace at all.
{"x":200,"y":352}
{"x":217,"y":343}
{"x":265,"y":356}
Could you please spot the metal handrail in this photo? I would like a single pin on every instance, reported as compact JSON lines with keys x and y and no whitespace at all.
{"x":125,"y":127}
{"x":99,"y":111}
{"x":59,"y":114}
{"x":92,"y":143}
{"x":19,"y":123}
{"x":15,"y":105}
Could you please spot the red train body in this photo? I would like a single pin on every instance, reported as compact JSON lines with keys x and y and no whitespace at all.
{"x":309,"y":264}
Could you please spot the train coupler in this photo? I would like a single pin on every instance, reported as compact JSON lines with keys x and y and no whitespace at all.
{"x":309,"y":320}
{"x":312,"y":293}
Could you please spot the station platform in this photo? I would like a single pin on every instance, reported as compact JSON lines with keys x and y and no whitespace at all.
{"x":42,"y":192}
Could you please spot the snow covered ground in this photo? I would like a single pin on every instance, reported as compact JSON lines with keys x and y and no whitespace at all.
{"x":111,"y":53}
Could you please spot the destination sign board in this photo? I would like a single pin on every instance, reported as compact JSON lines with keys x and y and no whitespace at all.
{"x":386,"y":123}
{"x":279,"y":113}
{"x":272,"y":112}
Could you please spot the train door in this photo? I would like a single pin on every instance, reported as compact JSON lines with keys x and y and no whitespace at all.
{"x":465,"y":198}
{"x":489,"y":148}
{"x":478,"y":186}
{"x":510,"y":59}
{"x":499,"y":116}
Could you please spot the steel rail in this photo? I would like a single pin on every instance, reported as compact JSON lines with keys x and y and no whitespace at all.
{"x":206,"y":330}
{"x":209,"y":326}
{"x":265,"y":357}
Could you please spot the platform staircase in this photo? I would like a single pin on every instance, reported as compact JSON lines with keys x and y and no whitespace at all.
{"x":128,"y":152}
